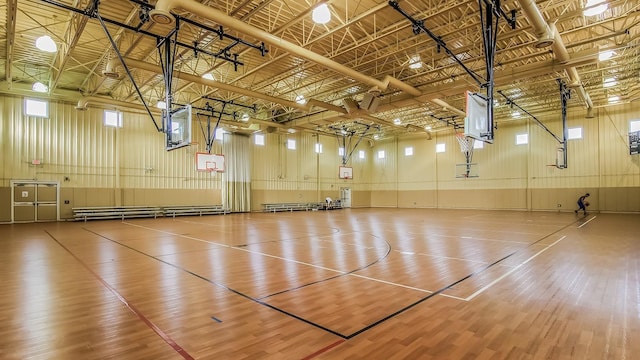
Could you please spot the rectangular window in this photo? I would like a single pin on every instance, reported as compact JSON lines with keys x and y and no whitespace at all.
{"x":634,"y":125}
{"x":341,"y":151}
{"x":259,"y":139}
{"x":318,"y":148}
{"x":291,"y":144}
{"x":477,"y":144}
{"x":574,"y":133}
{"x":112,"y":118}
{"x":39,"y":108}
{"x":440,"y":148}
{"x":408,"y":151}
{"x":522,"y":139}
{"x":361,"y":154}
{"x":219,"y":134}
{"x":381,"y":154}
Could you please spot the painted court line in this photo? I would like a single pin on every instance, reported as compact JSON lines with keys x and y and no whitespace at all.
{"x":441,"y":257}
{"x":586,"y":222}
{"x":511,"y":271}
{"x":285,"y":259}
{"x":180,"y":235}
{"x":435,"y":235}
{"x":323,"y":350}
{"x":129,"y":306}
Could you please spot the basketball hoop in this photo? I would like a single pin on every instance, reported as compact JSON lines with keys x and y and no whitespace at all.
{"x":466,"y":145}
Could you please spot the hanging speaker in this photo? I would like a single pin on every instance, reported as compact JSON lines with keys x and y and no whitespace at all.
{"x":370,"y":102}
{"x":350,"y":104}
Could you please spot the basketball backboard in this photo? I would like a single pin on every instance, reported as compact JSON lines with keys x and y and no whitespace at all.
{"x":345,"y":172}
{"x":476,"y":122}
{"x":634,"y":142}
{"x":178,"y":128}
{"x":209,"y":162}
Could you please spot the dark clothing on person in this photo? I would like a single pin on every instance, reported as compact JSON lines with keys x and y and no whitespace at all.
{"x":581,"y":203}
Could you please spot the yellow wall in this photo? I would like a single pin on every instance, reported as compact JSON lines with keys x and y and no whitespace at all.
{"x":102,"y":166}
{"x":98,"y":165}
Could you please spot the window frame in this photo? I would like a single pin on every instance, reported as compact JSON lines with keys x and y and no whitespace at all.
{"x":28,"y":101}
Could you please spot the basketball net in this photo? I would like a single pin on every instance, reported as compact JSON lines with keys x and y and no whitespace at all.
{"x":466,"y":146}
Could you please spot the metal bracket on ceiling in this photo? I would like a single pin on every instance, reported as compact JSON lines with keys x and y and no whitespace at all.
{"x":347,"y":135}
{"x":490,"y":13}
{"x":565,"y":95}
{"x":210,"y":135}
{"x":512,"y":104}
{"x":253,"y":107}
{"x":449,"y":120}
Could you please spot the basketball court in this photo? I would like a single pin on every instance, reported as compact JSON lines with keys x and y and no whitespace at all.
{"x":359,"y":283}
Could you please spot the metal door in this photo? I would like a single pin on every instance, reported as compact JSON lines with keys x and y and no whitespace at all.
{"x":345,"y":195}
{"x":34,"y":201}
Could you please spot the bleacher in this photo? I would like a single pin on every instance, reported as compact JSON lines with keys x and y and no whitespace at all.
{"x":115,"y":212}
{"x":289,"y":206}
{"x":174,"y":211}
{"x":127,"y":212}
{"x":275,"y":207}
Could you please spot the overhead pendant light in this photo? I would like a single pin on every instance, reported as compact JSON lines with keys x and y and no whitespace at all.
{"x":46,"y":43}
{"x":40,"y":87}
{"x":415,"y":62}
{"x":301,"y":100}
{"x":595,"y":7}
{"x":161,"y":105}
{"x":605,"y":55}
{"x":609,"y":82}
{"x":208,"y":76}
{"x":321,"y":14}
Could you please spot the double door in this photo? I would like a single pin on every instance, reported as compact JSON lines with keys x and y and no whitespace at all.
{"x":34,"y":201}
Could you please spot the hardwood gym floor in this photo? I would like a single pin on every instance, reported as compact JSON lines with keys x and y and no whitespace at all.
{"x":344,"y":284}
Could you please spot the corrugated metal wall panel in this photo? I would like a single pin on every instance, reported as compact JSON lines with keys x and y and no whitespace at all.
{"x":75,"y":145}
{"x":618,"y":167}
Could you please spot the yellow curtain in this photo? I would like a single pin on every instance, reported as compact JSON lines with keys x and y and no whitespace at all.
{"x":236,"y":179}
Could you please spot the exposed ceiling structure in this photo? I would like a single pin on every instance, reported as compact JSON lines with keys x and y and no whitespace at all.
{"x":367,"y":65}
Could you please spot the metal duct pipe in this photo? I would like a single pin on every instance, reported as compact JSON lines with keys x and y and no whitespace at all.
{"x":83,"y":104}
{"x":110,"y":69}
{"x":162,"y":15}
{"x":544,"y":33}
{"x":448,"y":107}
{"x":235,"y":89}
{"x":541,"y":28}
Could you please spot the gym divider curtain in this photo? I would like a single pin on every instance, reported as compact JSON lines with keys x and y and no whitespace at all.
{"x":236,"y":179}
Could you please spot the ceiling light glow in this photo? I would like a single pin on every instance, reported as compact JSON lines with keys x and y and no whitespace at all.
{"x":46,"y":43}
{"x":595,"y":7}
{"x":415,"y":62}
{"x":40,"y":87}
{"x":609,"y":82}
{"x":321,"y":14}
{"x":605,"y":55}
